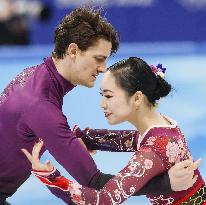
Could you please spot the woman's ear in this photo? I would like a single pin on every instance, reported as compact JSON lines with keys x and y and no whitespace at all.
{"x":138,"y":99}
{"x":72,"y":50}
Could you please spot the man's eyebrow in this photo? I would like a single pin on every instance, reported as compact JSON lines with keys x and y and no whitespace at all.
{"x":102,"y":56}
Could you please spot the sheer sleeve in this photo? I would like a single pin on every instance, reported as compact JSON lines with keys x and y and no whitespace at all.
{"x":109,"y":140}
{"x":141,"y":168}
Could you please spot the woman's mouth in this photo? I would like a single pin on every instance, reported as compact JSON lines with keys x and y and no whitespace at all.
{"x":106,"y":114}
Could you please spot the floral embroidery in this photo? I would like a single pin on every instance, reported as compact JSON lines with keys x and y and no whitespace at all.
{"x":77,"y":199}
{"x":137,"y":167}
{"x":117,"y":194}
{"x":160,"y":200}
{"x":102,"y":140}
{"x":110,"y":140}
{"x":145,"y":149}
{"x":157,"y":153}
{"x":174,"y":149}
{"x":151,"y":141}
{"x":132,"y":167}
{"x":75,"y":189}
{"x":148,"y":164}
{"x":172,"y":152}
{"x":128,"y":143}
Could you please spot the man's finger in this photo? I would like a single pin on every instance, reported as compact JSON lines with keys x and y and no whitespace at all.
{"x":197,"y":163}
{"x":28,"y":155}
{"x":185,"y":163}
{"x":184,"y":175}
{"x":82,"y":143}
{"x":192,"y":182}
{"x":92,"y":152}
{"x":185,"y":172}
{"x":49,"y":165}
{"x":36,"y":149}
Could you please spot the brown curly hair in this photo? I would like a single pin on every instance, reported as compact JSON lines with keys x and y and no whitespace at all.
{"x":83,"y":26}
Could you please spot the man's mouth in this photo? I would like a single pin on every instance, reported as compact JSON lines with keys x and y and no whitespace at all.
{"x":95,"y":76}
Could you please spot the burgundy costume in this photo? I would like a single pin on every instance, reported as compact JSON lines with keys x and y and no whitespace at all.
{"x":156,"y":151}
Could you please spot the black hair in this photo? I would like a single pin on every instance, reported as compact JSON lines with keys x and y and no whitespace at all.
{"x":134,"y":74}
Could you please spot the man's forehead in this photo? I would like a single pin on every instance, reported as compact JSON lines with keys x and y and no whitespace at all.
{"x":101,"y":47}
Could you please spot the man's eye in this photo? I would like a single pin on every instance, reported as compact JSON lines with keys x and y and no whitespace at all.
{"x":100,"y":60}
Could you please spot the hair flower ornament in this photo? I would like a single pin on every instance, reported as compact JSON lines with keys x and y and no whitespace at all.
{"x":158,"y":70}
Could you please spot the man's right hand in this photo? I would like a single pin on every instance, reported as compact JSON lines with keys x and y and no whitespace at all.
{"x":77,"y":131}
{"x":182,"y":174}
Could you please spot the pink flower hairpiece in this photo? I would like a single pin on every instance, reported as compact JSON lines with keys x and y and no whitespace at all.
{"x":158,"y":70}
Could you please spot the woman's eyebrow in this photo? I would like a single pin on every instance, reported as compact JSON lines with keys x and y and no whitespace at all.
{"x":105,"y":90}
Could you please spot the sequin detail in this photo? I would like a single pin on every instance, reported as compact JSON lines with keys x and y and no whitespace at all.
{"x":18,"y":81}
{"x":198,"y":198}
{"x":111,"y":140}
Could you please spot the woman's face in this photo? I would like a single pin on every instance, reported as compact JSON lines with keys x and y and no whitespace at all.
{"x":117,"y":106}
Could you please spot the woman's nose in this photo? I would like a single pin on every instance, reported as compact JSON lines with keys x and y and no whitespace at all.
{"x":103,"y":104}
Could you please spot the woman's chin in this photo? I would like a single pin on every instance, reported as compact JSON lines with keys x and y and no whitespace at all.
{"x":112,"y":122}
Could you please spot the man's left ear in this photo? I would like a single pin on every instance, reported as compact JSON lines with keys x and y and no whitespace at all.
{"x":72,"y":50}
{"x":138,"y":98}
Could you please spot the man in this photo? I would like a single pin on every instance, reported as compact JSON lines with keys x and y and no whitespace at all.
{"x":31,"y":107}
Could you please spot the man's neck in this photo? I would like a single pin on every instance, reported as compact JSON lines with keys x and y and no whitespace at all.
{"x":62,"y":68}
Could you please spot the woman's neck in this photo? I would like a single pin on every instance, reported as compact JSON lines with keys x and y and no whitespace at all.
{"x":147,"y":119}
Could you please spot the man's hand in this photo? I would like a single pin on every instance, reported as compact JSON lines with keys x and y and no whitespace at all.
{"x":34,"y":158}
{"x":182,"y":174}
{"x":91,"y":152}
{"x":76,"y":130}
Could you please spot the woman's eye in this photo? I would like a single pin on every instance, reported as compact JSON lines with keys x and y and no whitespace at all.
{"x":107,"y":96}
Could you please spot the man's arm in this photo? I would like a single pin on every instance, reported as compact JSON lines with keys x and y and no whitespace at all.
{"x":46,"y":121}
{"x":50,"y":124}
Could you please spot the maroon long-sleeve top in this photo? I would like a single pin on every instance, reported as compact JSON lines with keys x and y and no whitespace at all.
{"x":31,"y":107}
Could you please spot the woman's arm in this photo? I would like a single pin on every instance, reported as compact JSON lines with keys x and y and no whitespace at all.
{"x":142,"y":167}
{"x":53,"y":180}
{"x":108,"y":140}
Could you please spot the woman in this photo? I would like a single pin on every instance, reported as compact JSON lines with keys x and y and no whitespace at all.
{"x":130,"y":90}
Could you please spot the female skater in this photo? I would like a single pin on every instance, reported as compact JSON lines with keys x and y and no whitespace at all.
{"x":131,"y":90}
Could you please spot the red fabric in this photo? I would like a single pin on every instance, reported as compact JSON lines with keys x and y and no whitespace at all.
{"x":190,"y":193}
{"x":60,"y":182}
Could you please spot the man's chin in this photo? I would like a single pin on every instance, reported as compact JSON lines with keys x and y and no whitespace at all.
{"x":90,"y":85}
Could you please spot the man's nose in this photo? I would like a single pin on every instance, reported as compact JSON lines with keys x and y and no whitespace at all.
{"x":102,"y":68}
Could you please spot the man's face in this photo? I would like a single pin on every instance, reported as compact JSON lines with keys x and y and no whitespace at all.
{"x":89,"y":63}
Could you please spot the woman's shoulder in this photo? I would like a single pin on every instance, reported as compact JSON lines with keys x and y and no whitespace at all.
{"x":168,"y":143}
